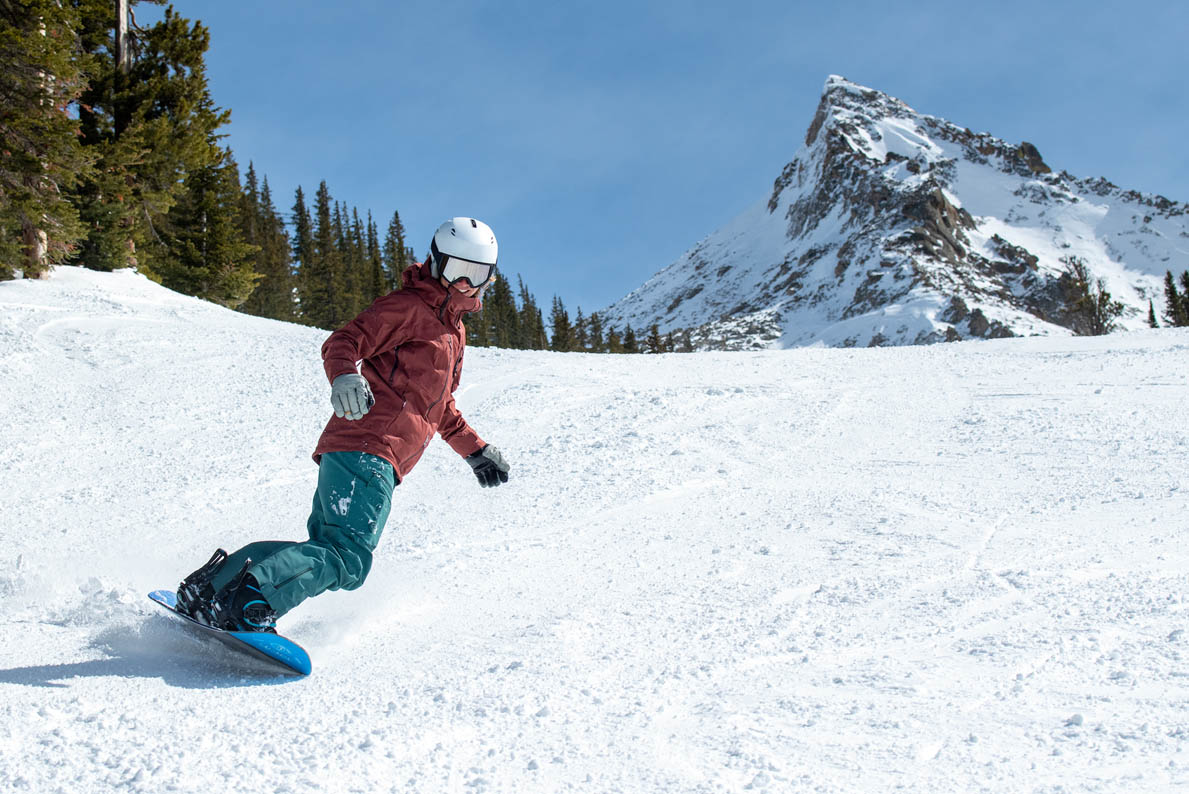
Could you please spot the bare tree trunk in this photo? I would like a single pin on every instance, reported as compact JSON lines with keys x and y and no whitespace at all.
{"x":36,"y":245}
{"x":123,"y":68}
{"x":123,"y":45}
{"x":34,"y":241}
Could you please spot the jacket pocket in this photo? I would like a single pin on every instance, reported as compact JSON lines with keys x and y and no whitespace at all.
{"x":395,"y":420}
{"x":417,"y":452}
{"x":406,"y":435}
{"x":395,"y":365}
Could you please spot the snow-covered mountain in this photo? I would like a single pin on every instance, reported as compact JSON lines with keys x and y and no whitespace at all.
{"x":942,"y":569}
{"x":893,"y":227}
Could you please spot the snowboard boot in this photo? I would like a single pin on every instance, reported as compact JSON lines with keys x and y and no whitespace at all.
{"x":240,"y":606}
{"x":196,"y":592}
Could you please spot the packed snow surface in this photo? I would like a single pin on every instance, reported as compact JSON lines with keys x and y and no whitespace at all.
{"x":950,"y":568}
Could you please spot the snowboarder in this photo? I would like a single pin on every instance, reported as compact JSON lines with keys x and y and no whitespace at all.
{"x":410,"y":344}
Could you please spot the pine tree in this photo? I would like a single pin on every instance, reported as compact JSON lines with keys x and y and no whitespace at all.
{"x":149,"y":123}
{"x":497,"y":324}
{"x":347,"y":272}
{"x":41,"y":157}
{"x":1175,"y":313}
{"x":208,"y":256}
{"x":479,"y":326}
{"x":654,"y":342}
{"x":478,"y":330}
{"x":351,"y":264}
{"x":303,"y":255}
{"x":1185,"y":296}
{"x":1092,"y":311}
{"x":581,"y":336}
{"x":278,"y":265}
{"x":322,"y":301}
{"x":1152,"y":316}
{"x":614,"y":344}
{"x":532,"y":324}
{"x":630,"y":345}
{"x":273,"y":296}
{"x":562,"y":339}
{"x":249,"y":222}
{"x":1101,"y":310}
{"x":396,"y":253}
{"x":249,"y":215}
{"x":542,"y":338}
{"x":369,"y":290}
{"x":597,"y":345}
{"x":505,"y":317}
{"x":670,"y":343}
{"x":375,"y":262}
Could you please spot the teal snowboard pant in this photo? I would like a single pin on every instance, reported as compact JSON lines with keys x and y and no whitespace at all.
{"x":350,"y":507}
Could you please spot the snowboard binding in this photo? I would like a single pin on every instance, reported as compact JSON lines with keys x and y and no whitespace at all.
{"x":238,"y":606}
{"x":196,"y":590}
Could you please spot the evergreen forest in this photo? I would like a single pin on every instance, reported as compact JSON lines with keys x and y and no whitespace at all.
{"x":111,"y":157}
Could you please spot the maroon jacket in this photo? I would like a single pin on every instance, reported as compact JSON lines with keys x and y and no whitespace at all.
{"x":411,"y":344}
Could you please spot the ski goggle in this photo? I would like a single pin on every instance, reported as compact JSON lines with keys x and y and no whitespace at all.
{"x":475,"y":273}
{"x":454,"y":269}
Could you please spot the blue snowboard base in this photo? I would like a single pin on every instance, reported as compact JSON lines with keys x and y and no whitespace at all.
{"x":281,"y":654}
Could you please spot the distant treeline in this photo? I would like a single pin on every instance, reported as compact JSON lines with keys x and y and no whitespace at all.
{"x":517,"y":322}
{"x":110,"y":157}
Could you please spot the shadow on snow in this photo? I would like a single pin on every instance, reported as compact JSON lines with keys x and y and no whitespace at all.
{"x":155,"y":649}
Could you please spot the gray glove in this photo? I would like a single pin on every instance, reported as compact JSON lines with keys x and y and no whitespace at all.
{"x":351,"y":396}
{"x":489,"y":466}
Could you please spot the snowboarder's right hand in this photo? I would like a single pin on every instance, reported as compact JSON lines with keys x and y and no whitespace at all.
{"x":351,"y":396}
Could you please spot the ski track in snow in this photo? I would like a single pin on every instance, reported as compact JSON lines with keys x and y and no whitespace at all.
{"x":955,"y":568}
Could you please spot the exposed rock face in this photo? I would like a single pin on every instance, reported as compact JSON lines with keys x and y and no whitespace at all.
{"x":894,"y":227}
{"x":1032,"y":158}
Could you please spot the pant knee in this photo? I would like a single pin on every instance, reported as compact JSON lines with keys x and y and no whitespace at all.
{"x":354,"y":559}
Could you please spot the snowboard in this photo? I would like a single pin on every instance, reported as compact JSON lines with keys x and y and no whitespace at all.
{"x":280,"y":654}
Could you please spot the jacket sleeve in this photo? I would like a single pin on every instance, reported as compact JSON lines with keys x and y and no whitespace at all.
{"x":381,"y":326}
{"x":453,"y":429}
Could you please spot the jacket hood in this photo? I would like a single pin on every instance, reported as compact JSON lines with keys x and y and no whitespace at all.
{"x":448,"y":303}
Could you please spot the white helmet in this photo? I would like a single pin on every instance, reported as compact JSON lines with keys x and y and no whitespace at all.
{"x":463,"y":248}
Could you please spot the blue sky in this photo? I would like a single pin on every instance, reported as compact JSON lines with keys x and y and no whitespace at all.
{"x":601,"y":140}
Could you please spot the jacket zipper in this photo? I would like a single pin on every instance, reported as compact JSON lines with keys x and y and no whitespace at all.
{"x":450,"y":343}
{"x":429,"y":435}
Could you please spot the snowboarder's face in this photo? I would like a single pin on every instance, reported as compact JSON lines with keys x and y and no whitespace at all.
{"x":462,"y":287}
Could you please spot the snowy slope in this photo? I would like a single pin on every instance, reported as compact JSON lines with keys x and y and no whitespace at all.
{"x":891,"y":226}
{"x":948,"y":568}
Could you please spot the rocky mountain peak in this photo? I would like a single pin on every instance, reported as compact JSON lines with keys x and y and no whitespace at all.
{"x":845,"y":104}
{"x":890,"y":226}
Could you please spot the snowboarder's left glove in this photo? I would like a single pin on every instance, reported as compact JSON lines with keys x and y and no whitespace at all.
{"x":489,"y":466}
